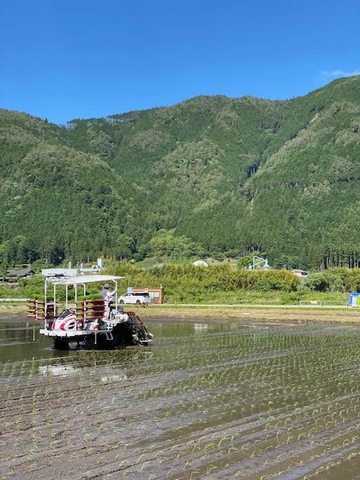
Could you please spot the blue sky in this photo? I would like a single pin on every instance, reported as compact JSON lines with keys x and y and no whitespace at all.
{"x":62,"y":59}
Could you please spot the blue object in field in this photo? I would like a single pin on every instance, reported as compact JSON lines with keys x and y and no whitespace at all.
{"x":354,"y":299}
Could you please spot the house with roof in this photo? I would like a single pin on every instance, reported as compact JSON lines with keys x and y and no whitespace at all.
{"x":16,"y":273}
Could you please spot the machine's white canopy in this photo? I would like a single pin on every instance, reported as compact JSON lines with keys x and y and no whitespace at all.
{"x":84,"y":279}
{"x":81,"y":280}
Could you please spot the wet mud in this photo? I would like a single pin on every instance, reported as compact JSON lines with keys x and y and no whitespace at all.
{"x":206,"y":401}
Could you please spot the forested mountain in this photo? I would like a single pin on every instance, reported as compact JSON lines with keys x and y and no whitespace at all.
{"x":209,"y":176}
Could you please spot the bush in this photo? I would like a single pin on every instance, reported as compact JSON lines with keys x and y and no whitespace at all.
{"x":324,"y":282}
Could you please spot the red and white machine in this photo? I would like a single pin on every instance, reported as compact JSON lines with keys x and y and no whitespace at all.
{"x":90,"y":322}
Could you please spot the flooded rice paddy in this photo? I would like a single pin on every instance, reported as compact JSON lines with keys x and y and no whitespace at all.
{"x":205,"y":401}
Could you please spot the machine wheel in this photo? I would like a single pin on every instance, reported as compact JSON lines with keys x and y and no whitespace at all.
{"x":138,"y":302}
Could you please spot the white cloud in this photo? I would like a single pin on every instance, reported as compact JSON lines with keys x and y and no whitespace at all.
{"x":340,"y":73}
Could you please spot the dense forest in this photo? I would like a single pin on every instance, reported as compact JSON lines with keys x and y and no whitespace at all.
{"x":210,"y":177}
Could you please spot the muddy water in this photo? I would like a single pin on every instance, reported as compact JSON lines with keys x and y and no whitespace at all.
{"x":204,"y":401}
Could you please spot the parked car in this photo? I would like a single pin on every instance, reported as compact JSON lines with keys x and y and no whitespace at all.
{"x":139,"y":298}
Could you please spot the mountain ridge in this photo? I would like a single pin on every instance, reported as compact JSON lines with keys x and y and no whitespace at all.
{"x":232,"y":176}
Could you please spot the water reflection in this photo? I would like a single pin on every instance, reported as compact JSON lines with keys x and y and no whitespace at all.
{"x":57,"y":370}
{"x":201,"y":327}
{"x":26,"y":353}
{"x":21,"y":341}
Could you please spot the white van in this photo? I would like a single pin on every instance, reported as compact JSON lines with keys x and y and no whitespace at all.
{"x":137,"y":298}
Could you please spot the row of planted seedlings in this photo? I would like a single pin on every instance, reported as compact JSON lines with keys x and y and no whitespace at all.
{"x":59,"y":403}
{"x":284,"y":410}
{"x":243,"y":402}
{"x":286,"y":418}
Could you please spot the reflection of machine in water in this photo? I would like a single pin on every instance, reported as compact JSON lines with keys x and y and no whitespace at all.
{"x":57,"y":370}
{"x":91,"y":324}
{"x":110,"y":369}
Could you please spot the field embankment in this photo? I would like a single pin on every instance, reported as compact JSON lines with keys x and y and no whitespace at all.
{"x":241,"y":313}
{"x":246,"y":313}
